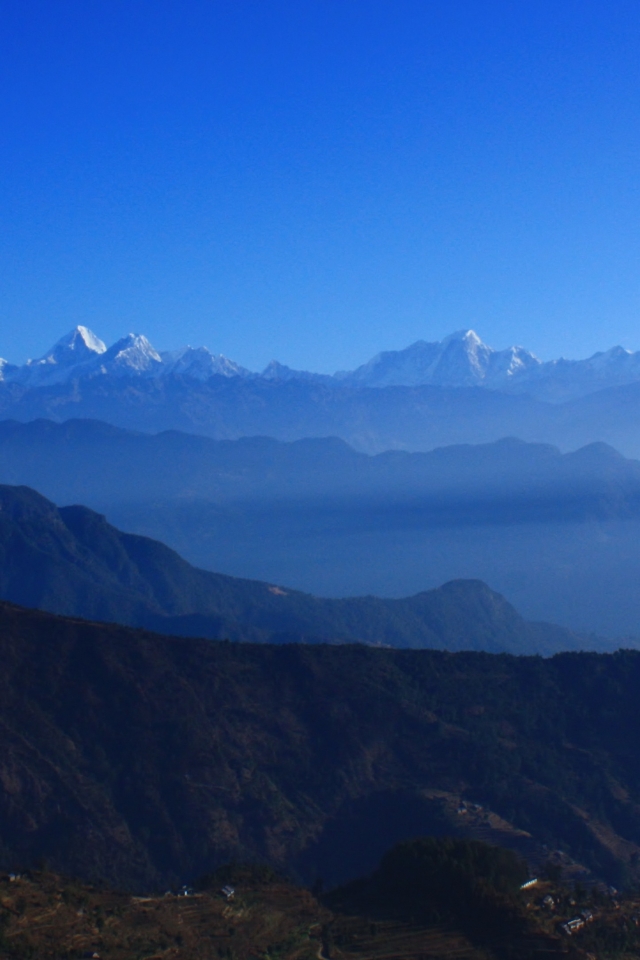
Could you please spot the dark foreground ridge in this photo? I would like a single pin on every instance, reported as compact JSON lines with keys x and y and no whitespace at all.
{"x":144,"y":761}
{"x":71,"y":561}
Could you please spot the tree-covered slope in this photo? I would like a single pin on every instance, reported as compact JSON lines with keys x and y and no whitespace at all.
{"x":71,"y":561}
{"x":144,"y":760}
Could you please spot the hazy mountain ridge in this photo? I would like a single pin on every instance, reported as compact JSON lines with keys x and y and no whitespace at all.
{"x":556,"y":533}
{"x":107,"y":464}
{"x":71,"y":561}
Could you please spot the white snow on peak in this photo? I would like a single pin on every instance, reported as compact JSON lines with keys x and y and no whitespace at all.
{"x":560,"y":380}
{"x":75,"y":350}
{"x":131,"y":355}
{"x":469,"y":337}
{"x":198,"y":363}
{"x":83,"y":337}
{"x":79,"y":342}
{"x":460,"y":360}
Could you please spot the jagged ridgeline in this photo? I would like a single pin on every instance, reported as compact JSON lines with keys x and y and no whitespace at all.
{"x":145,"y":761}
{"x":456,"y":390}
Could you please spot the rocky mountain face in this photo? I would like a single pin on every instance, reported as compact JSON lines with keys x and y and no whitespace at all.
{"x":146,"y":761}
{"x":71,"y":561}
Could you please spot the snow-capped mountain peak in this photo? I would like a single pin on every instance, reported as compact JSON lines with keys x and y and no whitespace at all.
{"x":468,"y":337}
{"x":6,"y":369}
{"x":131,"y":355}
{"x":78,"y":345}
{"x":198,"y":363}
{"x":460,"y":360}
{"x":76,"y":349}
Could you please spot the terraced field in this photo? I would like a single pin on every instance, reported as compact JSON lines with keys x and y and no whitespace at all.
{"x":46,"y":917}
{"x":354,"y":938}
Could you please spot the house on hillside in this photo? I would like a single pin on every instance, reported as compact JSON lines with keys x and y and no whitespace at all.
{"x":529,"y":883}
{"x":571,"y":926}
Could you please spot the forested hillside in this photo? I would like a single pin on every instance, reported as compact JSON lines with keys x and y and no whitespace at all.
{"x":71,"y":561}
{"x":145,"y":760}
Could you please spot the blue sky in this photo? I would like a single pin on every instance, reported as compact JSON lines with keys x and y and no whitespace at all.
{"x":318,"y":181}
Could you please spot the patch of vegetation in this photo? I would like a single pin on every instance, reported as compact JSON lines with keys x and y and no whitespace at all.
{"x":145,"y":761}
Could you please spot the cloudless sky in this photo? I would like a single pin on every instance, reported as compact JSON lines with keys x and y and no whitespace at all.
{"x":319,"y":180}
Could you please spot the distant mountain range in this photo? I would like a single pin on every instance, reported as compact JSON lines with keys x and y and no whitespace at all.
{"x":557,"y":534}
{"x":456,"y":391}
{"x":71,"y":561}
{"x":463,"y":360}
{"x":460,"y":360}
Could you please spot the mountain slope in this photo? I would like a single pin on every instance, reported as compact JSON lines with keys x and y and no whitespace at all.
{"x":145,"y":760}
{"x":556,"y":533}
{"x":71,"y":561}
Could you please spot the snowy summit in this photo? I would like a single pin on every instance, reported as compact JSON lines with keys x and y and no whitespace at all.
{"x":460,"y":360}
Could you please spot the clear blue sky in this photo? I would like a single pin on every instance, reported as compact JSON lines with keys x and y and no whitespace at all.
{"x":321,"y":179}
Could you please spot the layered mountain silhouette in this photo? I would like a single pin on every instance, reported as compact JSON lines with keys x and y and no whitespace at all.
{"x":456,"y":391}
{"x":146,"y":761}
{"x":71,"y":561}
{"x":460,"y":360}
{"x":556,"y":533}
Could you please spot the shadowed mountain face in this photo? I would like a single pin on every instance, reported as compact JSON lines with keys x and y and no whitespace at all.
{"x":145,"y":760}
{"x":556,"y":533}
{"x":71,"y":561}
